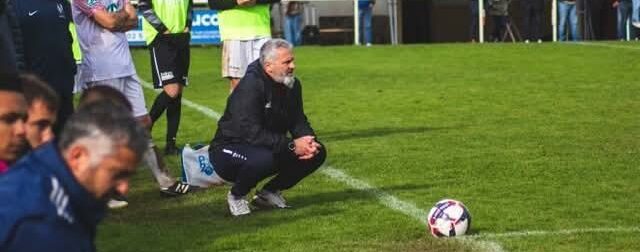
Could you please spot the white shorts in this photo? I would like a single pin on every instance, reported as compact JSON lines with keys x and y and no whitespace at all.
{"x":238,"y":54}
{"x":131,"y":88}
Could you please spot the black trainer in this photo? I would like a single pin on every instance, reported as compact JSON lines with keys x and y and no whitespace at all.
{"x":177,"y":189}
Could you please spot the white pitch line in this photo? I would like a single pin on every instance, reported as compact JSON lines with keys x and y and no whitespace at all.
{"x":385,"y":198}
{"x":559,"y":232}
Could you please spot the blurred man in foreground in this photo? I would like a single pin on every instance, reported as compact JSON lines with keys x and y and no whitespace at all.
{"x":53,"y":198}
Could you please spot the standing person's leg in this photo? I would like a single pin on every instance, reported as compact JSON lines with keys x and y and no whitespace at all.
{"x":527,"y":21}
{"x":288,"y":29}
{"x":495,"y":33}
{"x":297,"y":29}
{"x":620,"y":21}
{"x":624,"y":17}
{"x":361,"y":38}
{"x":174,"y":108}
{"x":536,"y":25}
{"x":230,"y":66}
{"x":367,"y":25}
{"x":167,"y":70}
{"x":573,"y":23}
{"x":563,"y":11}
{"x":473,"y":25}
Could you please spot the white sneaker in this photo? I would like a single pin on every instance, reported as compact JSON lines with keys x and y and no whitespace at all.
{"x":115,"y":204}
{"x":237,"y":206}
{"x":636,"y":24}
{"x":270,"y":199}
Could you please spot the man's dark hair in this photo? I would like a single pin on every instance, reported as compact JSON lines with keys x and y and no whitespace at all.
{"x":99,"y":93}
{"x":105,"y":120}
{"x":36,"y":89}
{"x":10,"y":82}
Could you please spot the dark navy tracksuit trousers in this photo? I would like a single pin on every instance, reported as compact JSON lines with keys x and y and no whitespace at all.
{"x":245,"y":166}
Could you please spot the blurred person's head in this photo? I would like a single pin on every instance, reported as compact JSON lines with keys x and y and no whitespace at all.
{"x":42,"y":104}
{"x":99,"y":93}
{"x":276,"y":57}
{"x":102,"y":144}
{"x":13,"y":112}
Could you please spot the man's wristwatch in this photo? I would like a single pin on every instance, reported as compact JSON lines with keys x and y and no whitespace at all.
{"x":292,"y":146}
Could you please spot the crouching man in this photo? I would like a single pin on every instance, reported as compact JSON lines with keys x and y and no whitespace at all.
{"x":264,"y":132}
{"x":53,"y":198}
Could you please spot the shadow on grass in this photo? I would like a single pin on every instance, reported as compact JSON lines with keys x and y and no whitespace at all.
{"x":376,"y":132}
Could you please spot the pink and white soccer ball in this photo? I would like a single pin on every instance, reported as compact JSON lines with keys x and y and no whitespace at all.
{"x":449,"y":218}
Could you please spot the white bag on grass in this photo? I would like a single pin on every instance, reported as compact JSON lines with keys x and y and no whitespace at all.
{"x":197,"y":170}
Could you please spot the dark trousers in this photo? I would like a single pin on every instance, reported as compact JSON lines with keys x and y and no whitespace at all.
{"x":247,"y":165}
{"x":473,"y":25}
{"x":532,"y":12}
{"x":499,"y":27}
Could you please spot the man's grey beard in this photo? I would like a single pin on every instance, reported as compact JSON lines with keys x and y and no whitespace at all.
{"x":288,"y":80}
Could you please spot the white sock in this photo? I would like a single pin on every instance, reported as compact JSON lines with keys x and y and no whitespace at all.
{"x":161,"y":175}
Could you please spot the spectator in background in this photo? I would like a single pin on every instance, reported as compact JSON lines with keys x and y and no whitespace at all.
{"x":532,"y":12}
{"x":365,"y":10}
{"x":499,"y":12}
{"x":13,"y":113}
{"x":567,"y":13}
{"x":44,"y":26}
{"x":293,"y":22}
{"x":245,"y":25}
{"x":167,"y":29}
{"x":253,"y":142}
{"x":68,"y":182}
{"x":42,"y":103}
{"x":624,"y":9}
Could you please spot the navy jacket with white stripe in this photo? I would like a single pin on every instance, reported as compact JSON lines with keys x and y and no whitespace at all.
{"x":43,"y":207}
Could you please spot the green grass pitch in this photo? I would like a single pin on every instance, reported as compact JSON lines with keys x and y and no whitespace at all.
{"x":531,"y":137}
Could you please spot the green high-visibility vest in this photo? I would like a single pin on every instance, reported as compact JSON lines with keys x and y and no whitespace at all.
{"x":172,"y":13}
{"x":75,"y":45}
{"x":245,"y":23}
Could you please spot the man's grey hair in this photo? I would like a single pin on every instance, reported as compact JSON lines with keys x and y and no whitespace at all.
{"x":102,"y":125}
{"x":269,"y":51}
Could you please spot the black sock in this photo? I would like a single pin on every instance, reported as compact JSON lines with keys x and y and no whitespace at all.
{"x":174,"y":110}
{"x":159,"y":105}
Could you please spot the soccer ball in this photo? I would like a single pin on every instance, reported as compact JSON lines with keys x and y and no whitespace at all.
{"x":449,"y":218}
